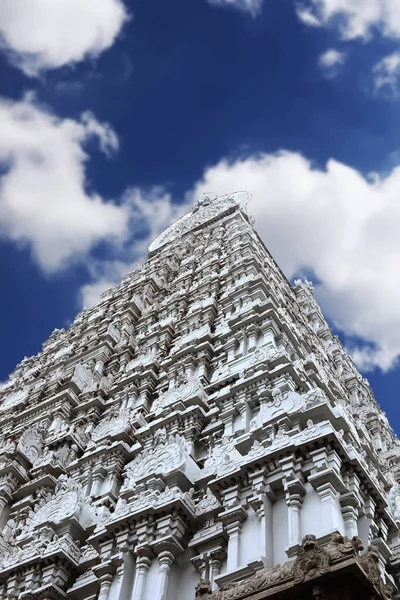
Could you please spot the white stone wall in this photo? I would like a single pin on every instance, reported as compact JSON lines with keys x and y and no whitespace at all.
{"x":194,"y":425}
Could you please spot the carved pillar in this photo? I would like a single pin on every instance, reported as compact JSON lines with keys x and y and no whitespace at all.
{"x":294,"y":502}
{"x":328,"y":484}
{"x":232,"y":518}
{"x":230,"y":349}
{"x":105,"y":585}
{"x":8,"y":485}
{"x":295,"y":492}
{"x":350,"y":502}
{"x":165,"y":560}
{"x":233,"y":530}
{"x":97,"y":480}
{"x":329,"y":511}
{"x":143,"y":564}
{"x":253,"y":333}
{"x":350,"y":518}
{"x":215,"y":570}
{"x":262,"y":504}
{"x":267,"y":334}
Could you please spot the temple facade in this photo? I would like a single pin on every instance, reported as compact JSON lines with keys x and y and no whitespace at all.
{"x":199,"y":433}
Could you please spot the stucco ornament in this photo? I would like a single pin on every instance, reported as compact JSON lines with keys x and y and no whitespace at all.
{"x":394,"y":501}
{"x":223,"y":458}
{"x":14,"y":398}
{"x":84,"y":378}
{"x":31,"y":442}
{"x":312,"y":560}
{"x":142,"y":360}
{"x":66,"y":502}
{"x":186,"y":390}
{"x":314,"y":396}
{"x":169,"y":452}
{"x":189,"y":337}
{"x":204,"y":210}
{"x":7,"y":542}
{"x":117,"y":421}
{"x":208,"y":503}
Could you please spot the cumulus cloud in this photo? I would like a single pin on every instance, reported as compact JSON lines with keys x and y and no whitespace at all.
{"x":338,"y":224}
{"x":354,"y":18}
{"x":387,"y":72}
{"x":47,"y":34}
{"x":253,"y":7}
{"x":43,"y":198}
{"x":151,"y":212}
{"x":331,"y":58}
{"x":330,"y":61}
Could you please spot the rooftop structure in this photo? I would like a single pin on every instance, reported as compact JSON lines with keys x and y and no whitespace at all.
{"x":200,"y":432}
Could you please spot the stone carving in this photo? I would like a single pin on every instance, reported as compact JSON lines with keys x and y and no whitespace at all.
{"x":208,"y":503}
{"x":189,"y":337}
{"x":61,"y":457}
{"x":64,"y":352}
{"x":142,"y":360}
{"x":370,"y":563}
{"x":313,"y":397}
{"x":84,"y":378}
{"x":7,"y":542}
{"x":204,"y":210}
{"x":256,"y":450}
{"x":124,"y":407}
{"x":150,"y":498}
{"x":310,"y":431}
{"x":394,"y":501}
{"x":66,"y":502}
{"x":264,"y":354}
{"x":117,"y":421}
{"x":312,"y":560}
{"x":31,"y":442}
{"x":187,"y":389}
{"x":13,"y":399}
{"x":224,"y":458}
{"x":202,"y":588}
{"x":168,"y":453}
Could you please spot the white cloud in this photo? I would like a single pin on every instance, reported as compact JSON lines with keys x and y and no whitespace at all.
{"x":387,"y":72}
{"x":152,"y":211}
{"x":337,"y":224}
{"x":331,"y":58}
{"x":43,"y":198}
{"x":330,"y":62}
{"x":253,"y":7}
{"x":307,"y":17}
{"x":47,"y":34}
{"x":354,"y":18}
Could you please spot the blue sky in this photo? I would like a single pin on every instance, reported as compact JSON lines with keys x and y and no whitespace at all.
{"x":115,"y":118}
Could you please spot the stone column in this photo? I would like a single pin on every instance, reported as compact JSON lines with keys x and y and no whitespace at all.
{"x":294,"y":502}
{"x":97,"y":480}
{"x":143,"y":564}
{"x":215,"y":570}
{"x":8,"y":485}
{"x":327,"y":482}
{"x":253,"y":332}
{"x":295,"y":492}
{"x":350,"y":503}
{"x":105,"y":585}
{"x":165,"y":560}
{"x":232,"y":518}
{"x":262,"y":505}
{"x":233,"y":530}
{"x":329,"y":510}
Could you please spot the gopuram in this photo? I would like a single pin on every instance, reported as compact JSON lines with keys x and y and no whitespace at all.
{"x":200,"y":433}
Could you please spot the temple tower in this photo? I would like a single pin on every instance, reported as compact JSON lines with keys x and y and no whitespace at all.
{"x":198,"y":427}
